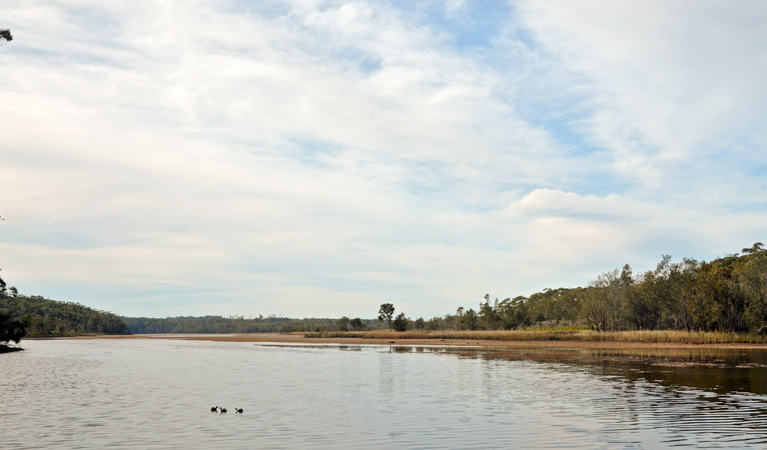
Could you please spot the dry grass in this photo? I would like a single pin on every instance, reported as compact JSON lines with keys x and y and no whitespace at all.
{"x":660,"y":336}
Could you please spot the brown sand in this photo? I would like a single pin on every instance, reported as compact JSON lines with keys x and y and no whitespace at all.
{"x":298,"y":338}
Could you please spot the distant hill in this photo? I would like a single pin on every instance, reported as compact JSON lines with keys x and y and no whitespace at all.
{"x":45,"y":317}
{"x":234,"y":324}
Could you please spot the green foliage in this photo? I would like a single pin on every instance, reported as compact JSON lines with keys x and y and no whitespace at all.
{"x":44,"y":317}
{"x":647,"y":297}
{"x":604,"y":305}
{"x":704,"y":301}
{"x":756,"y":248}
{"x":752,"y":280}
{"x":5,"y":35}
{"x":513,"y":313}
{"x":11,"y":330}
{"x":488,"y":317}
{"x":469,"y":320}
{"x":343,"y":323}
{"x":386,"y":312}
{"x":727,"y":295}
{"x":400,"y":323}
{"x":438,"y":323}
{"x":233,"y":324}
{"x":554,"y":305}
{"x":356,"y":324}
{"x":40,"y":316}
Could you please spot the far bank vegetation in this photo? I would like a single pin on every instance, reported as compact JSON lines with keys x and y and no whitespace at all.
{"x":36,"y":316}
{"x":724,"y":300}
{"x":690,"y":301}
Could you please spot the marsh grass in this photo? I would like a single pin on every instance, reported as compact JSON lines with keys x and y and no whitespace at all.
{"x":655,"y":336}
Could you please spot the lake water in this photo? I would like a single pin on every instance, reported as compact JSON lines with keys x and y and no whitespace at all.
{"x":157,"y":394}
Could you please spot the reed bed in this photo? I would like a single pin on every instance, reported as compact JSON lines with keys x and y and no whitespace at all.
{"x":652,"y":336}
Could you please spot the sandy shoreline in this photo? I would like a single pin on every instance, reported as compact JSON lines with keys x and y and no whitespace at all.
{"x":298,"y":338}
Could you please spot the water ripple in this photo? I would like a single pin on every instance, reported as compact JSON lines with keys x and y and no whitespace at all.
{"x":157,"y":394}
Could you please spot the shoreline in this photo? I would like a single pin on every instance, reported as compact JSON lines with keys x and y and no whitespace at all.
{"x":9,"y":349}
{"x":300,"y":338}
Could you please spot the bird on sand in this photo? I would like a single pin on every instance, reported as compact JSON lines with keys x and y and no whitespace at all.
{"x":238,"y":410}
{"x":214,"y":409}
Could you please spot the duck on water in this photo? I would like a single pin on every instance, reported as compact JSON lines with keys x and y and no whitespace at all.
{"x":223,"y":410}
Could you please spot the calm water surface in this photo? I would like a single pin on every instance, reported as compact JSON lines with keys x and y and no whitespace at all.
{"x":157,"y":394}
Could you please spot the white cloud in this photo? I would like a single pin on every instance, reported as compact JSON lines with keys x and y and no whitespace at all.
{"x":671,"y":83}
{"x":315,"y":158}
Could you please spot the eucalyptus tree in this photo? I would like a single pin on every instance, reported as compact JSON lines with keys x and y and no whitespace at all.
{"x":756,"y":248}
{"x":11,"y":330}
{"x":488,"y":318}
{"x":401,"y":322}
{"x":605,"y":304}
{"x":5,"y":36}
{"x":470,"y":320}
{"x":386,"y":312}
{"x":356,"y":324}
{"x":752,"y":281}
{"x":513,"y":313}
{"x":654,"y":301}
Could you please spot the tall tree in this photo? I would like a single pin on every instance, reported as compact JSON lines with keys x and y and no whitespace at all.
{"x":386,"y":312}
{"x":469,"y":320}
{"x":356,"y":324}
{"x":605,"y":304}
{"x":5,"y":36}
{"x":488,"y":315}
{"x":343,"y":323}
{"x":10,"y":330}
{"x":756,"y":248}
{"x":752,"y":280}
{"x":513,"y":313}
{"x":400,"y":323}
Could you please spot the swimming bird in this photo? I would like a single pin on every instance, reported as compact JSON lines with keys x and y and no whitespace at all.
{"x":223,"y":410}
{"x":238,"y":410}
{"x":214,"y":409}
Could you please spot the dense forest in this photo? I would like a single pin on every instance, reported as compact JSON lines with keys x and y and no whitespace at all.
{"x":237,"y":324}
{"x":44,"y":317}
{"x":726,"y":294}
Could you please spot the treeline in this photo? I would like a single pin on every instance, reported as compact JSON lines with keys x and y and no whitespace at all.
{"x":235,"y":324}
{"x":727,"y":294}
{"x":43,"y":317}
{"x":11,"y":330}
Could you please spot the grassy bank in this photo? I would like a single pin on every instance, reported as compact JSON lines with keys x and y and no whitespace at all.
{"x":659,"y":336}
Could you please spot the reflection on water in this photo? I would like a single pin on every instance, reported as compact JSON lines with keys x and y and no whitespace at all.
{"x":158,"y":394}
{"x":717,"y":370}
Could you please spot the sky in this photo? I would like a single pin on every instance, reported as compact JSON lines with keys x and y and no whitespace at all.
{"x":316,"y":158}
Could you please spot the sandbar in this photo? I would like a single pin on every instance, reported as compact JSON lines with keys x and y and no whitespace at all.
{"x":300,"y":338}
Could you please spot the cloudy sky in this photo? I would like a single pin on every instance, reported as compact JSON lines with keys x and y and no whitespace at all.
{"x":312,"y":158}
